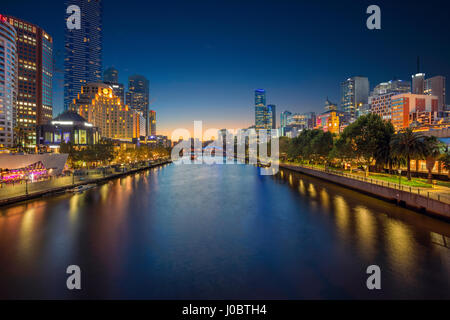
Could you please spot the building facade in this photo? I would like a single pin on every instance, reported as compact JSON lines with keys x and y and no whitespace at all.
{"x":69,"y":127}
{"x":330,"y":105}
{"x":284,"y":117}
{"x":260,"y":109}
{"x":152,"y":123}
{"x":271,"y":116}
{"x":397,"y":86}
{"x":138,"y":97}
{"x":83,"y":49}
{"x":354,"y":93}
{"x":111,"y":77}
{"x":8,"y":82}
{"x":418,"y":83}
{"x":332,"y":121}
{"x":99,"y":106}
{"x":34,"y":104}
{"x":413,"y":110}
{"x":435,"y":86}
{"x":380,"y":98}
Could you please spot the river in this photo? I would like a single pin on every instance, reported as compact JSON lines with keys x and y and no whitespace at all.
{"x":220,"y":232}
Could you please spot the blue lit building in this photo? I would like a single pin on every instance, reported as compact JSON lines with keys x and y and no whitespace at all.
{"x":83,"y":49}
{"x":260,"y":109}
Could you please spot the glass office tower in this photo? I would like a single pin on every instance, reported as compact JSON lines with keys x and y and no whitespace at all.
{"x":260,"y":109}
{"x":83,"y":50}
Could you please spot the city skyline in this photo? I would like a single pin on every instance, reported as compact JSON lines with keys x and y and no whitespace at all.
{"x":215,"y":70}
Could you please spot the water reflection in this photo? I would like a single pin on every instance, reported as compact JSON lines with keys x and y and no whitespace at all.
{"x":220,"y":232}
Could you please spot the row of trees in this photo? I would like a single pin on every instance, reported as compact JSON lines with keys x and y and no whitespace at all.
{"x":104,"y":153}
{"x":369,"y":142}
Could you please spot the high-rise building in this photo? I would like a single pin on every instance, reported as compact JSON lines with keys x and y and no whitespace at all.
{"x":272,"y":116}
{"x":35,"y":77}
{"x":83,"y":49}
{"x":284,"y":116}
{"x":8,"y":82}
{"x":138,"y":97}
{"x":397,"y":86}
{"x":413,"y":110}
{"x":418,"y":83}
{"x":152,"y":123}
{"x":111,"y":77}
{"x":380,"y":98}
{"x":435,"y":86}
{"x":354,"y":94}
{"x":99,"y":106}
{"x":260,"y":109}
{"x":312,"y":120}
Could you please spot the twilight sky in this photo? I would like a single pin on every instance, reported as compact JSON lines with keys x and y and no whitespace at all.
{"x":204,"y":58}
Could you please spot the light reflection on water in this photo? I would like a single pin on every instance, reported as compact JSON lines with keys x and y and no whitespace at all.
{"x":220,"y":232}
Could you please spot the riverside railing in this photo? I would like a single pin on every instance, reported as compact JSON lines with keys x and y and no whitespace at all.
{"x":26,"y":188}
{"x":420,"y":191}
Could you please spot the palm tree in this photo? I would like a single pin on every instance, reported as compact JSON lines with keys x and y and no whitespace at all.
{"x":408,"y":144}
{"x":432,"y":153}
{"x":445,"y":158}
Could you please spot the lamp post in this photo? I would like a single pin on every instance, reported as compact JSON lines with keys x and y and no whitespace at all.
{"x":399,"y":177}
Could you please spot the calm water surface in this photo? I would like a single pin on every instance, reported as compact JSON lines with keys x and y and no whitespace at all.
{"x":220,"y":232}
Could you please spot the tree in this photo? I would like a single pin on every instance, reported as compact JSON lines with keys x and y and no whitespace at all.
{"x":321,"y":145}
{"x":445,"y":158}
{"x":432,"y":153}
{"x":364,"y":138}
{"x":408,"y":144}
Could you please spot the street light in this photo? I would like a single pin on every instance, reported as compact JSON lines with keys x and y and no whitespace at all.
{"x":399,"y":177}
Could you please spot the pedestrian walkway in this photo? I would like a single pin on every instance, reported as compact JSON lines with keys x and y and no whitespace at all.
{"x":440,"y":193}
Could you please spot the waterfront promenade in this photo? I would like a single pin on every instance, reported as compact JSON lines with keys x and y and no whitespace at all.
{"x":428,"y":201}
{"x":12,"y":193}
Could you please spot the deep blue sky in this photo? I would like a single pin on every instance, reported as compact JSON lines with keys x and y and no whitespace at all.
{"x":205,"y":58}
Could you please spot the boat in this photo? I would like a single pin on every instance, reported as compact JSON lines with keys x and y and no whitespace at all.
{"x":82,"y":188}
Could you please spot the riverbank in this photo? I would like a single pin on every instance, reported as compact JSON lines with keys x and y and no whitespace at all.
{"x":402,"y":197}
{"x":62,"y":184}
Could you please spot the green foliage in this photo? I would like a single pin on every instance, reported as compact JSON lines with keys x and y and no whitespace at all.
{"x":366,"y":140}
{"x":408,"y":145}
{"x":101,"y":153}
{"x":310,"y":145}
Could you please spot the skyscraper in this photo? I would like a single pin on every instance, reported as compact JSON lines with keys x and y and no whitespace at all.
{"x":111,"y":77}
{"x":354,"y":93}
{"x":418,"y":83}
{"x":435,"y":86}
{"x":138,"y":97}
{"x":8,"y":82}
{"x":35,"y":76}
{"x":396,"y":86}
{"x":380,"y":98}
{"x":260,"y":109}
{"x":152,"y":123}
{"x":272,"y":116}
{"x":83,"y":49}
